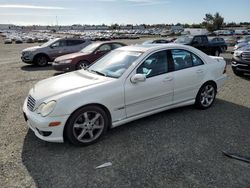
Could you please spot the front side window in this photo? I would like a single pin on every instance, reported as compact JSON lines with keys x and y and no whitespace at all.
{"x":184,"y":59}
{"x":116,"y":45}
{"x":154,"y":65}
{"x":60,"y":43}
{"x":104,"y":48}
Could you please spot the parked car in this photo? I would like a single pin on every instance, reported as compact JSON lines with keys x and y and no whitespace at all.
{"x":202,"y":43}
{"x":219,"y":41}
{"x":41,"y":55}
{"x":8,"y":41}
{"x":85,"y":57}
{"x":127,"y":84}
{"x":156,"y":41}
{"x":241,"y":60}
{"x":242,"y":42}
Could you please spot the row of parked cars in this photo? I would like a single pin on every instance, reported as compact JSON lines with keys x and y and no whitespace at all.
{"x":68,"y":54}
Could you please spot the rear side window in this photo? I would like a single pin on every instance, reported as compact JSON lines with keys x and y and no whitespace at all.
{"x":74,"y":42}
{"x":184,"y":59}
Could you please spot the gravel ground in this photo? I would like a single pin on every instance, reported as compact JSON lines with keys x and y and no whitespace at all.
{"x":176,"y":148}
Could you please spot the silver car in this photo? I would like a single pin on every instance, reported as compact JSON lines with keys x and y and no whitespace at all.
{"x":41,"y":55}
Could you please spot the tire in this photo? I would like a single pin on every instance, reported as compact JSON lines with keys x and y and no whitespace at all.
{"x":217,"y":53}
{"x":82,"y":65}
{"x":206,"y":96}
{"x":237,"y":73}
{"x":41,"y":60}
{"x":86,"y":126}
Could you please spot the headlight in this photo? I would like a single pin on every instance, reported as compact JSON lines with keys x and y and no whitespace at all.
{"x":46,"y":108}
{"x":237,"y":53}
{"x":65,"y":61}
{"x":27,"y":53}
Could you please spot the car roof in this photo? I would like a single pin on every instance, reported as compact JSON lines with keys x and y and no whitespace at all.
{"x":109,"y":42}
{"x":151,"y":47}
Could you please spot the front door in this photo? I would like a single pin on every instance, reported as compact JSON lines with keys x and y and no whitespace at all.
{"x":153,"y":93}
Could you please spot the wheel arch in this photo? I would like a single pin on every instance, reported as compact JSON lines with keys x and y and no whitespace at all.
{"x":41,"y":54}
{"x":91,"y":104}
{"x":209,"y":81}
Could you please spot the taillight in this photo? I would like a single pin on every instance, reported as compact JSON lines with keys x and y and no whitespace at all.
{"x":225,"y":69}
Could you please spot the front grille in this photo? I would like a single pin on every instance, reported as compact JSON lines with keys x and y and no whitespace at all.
{"x":246,"y":56}
{"x":31,"y":103}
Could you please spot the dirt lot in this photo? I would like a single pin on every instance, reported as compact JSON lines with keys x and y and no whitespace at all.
{"x":176,"y":148}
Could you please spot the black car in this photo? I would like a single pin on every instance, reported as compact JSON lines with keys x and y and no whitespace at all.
{"x":202,"y":43}
{"x":241,"y":61}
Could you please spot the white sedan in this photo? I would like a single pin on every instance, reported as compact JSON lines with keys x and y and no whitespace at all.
{"x":127,"y":84}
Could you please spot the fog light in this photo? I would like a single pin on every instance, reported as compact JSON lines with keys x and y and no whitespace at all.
{"x":54,"y":124}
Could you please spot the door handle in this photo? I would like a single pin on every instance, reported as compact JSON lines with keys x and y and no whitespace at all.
{"x":168,"y":79}
{"x":200,"y":71}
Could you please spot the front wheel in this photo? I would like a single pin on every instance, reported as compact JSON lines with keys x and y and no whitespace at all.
{"x":237,"y":73}
{"x":206,"y":96}
{"x":86,"y":126}
{"x":82,"y":65}
{"x":41,"y":60}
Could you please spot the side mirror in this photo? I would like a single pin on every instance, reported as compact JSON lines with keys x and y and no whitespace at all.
{"x":138,"y":78}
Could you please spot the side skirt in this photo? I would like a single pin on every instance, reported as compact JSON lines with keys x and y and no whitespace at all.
{"x":133,"y":118}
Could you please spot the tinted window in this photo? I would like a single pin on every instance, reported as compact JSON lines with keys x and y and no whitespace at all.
{"x":116,"y":45}
{"x":104,"y":48}
{"x":74,"y":42}
{"x":60,"y":43}
{"x":198,"y":40}
{"x":184,"y":59}
{"x":154,"y":65}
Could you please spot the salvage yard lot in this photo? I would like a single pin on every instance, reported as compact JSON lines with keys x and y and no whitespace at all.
{"x":175,"y":148}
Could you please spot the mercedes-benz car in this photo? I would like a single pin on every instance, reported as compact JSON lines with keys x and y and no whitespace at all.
{"x":127,"y":84}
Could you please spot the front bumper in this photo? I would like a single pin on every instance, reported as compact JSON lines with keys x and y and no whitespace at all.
{"x":40,"y":125}
{"x":240,"y":66}
{"x":27,"y":59}
{"x":63,"y":67}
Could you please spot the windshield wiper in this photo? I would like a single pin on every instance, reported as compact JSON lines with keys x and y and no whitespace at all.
{"x":97,"y":72}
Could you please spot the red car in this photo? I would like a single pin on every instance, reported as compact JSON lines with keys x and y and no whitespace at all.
{"x":85,"y":57}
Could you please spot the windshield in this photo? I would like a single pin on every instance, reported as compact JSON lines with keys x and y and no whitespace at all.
{"x":115,"y":63}
{"x":49,"y":42}
{"x":90,"y":48}
{"x":183,"y":40}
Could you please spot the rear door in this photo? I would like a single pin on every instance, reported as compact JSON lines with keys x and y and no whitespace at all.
{"x":189,"y":73}
{"x":74,"y":45}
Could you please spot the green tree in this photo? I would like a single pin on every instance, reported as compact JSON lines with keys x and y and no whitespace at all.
{"x":213,"y":22}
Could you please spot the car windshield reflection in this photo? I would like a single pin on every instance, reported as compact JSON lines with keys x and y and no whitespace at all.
{"x":115,"y":63}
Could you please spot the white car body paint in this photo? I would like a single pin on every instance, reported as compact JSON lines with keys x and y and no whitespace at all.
{"x":125,"y":101}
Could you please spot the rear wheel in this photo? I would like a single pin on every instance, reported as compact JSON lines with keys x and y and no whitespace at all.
{"x":217,"y":53}
{"x":86,"y":126}
{"x":41,"y":60}
{"x":82,"y":65}
{"x":206,"y":96}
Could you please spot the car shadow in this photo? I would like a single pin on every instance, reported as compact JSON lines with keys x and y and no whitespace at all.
{"x":169,"y":148}
{"x":36,"y":68}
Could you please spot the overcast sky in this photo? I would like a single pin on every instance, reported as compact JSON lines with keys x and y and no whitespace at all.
{"x":68,"y":12}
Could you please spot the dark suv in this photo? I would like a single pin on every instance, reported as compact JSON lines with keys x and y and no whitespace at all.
{"x":241,"y":60}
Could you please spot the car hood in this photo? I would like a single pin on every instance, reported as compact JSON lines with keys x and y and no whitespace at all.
{"x":65,"y":83}
{"x":70,"y":56}
{"x":33,"y":48}
{"x":245,"y":48}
